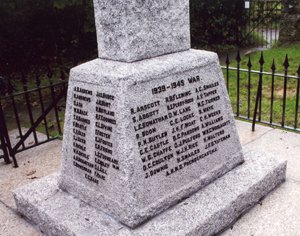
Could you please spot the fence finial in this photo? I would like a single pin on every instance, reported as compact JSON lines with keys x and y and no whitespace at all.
{"x":249,"y":63}
{"x":227,"y":60}
{"x":273,"y":67}
{"x":262,"y":60}
{"x":286,"y":63}
{"x":238,"y":57}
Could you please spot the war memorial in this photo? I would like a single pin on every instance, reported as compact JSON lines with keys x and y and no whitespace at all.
{"x":150,"y":143}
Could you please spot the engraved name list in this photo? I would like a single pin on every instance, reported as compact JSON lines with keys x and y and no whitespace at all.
{"x":182,"y":125}
{"x":94,"y":166}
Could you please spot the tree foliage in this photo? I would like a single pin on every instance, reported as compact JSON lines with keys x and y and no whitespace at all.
{"x":39,"y":32}
{"x":34,"y":33}
{"x":291,"y":6}
{"x":219,"y":22}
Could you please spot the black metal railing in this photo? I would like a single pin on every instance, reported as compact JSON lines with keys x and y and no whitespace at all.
{"x":267,"y":97}
{"x":29,"y":106}
{"x":258,"y":93}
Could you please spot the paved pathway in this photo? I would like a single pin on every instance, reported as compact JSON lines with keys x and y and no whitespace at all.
{"x":278,"y":214}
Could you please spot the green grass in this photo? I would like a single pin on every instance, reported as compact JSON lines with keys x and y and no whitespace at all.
{"x":52,"y":127}
{"x":31,"y":82}
{"x":255,"y":38}
{"x":23,"y":114}
{"x":278,"y":53}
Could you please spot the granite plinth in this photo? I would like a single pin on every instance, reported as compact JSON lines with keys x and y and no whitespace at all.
{"x":206,"y":212}
{"x":139,"y":137}
{"x":134,"y":30}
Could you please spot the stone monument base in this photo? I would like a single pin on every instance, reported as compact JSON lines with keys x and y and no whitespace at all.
{"x":207,"y":212}
{"x":138,"y":137}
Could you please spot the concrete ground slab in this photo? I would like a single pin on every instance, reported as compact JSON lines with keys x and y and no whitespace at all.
{"x":206,"y":212}
{"x":245,"y":133}
{"x":33,"y":163}
{"x":12,"y":224}
{"x":14,"y":137}
{"x":278,"y":214}
{"x":285,"y":145}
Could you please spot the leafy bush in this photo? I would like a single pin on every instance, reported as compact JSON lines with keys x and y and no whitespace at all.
{"x":219,"y":22}
{"x":38,"y":32}
{"x":35,"y":33}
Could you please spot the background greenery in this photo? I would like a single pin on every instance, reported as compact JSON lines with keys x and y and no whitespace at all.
{"x":38,"y":32}
{"x":217,"y":24}
{"x":278,"y":55}
{"x":34,"y":33}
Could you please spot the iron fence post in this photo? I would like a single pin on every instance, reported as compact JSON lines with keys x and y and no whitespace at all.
{"x":259,"y":91}
{"x":3,"y":138}
{"x":273,"y":68}
{"x":249,"y":65}
{"x":297,"y":99}
{"x":286,"y":66}
{"x":238,"y":59}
